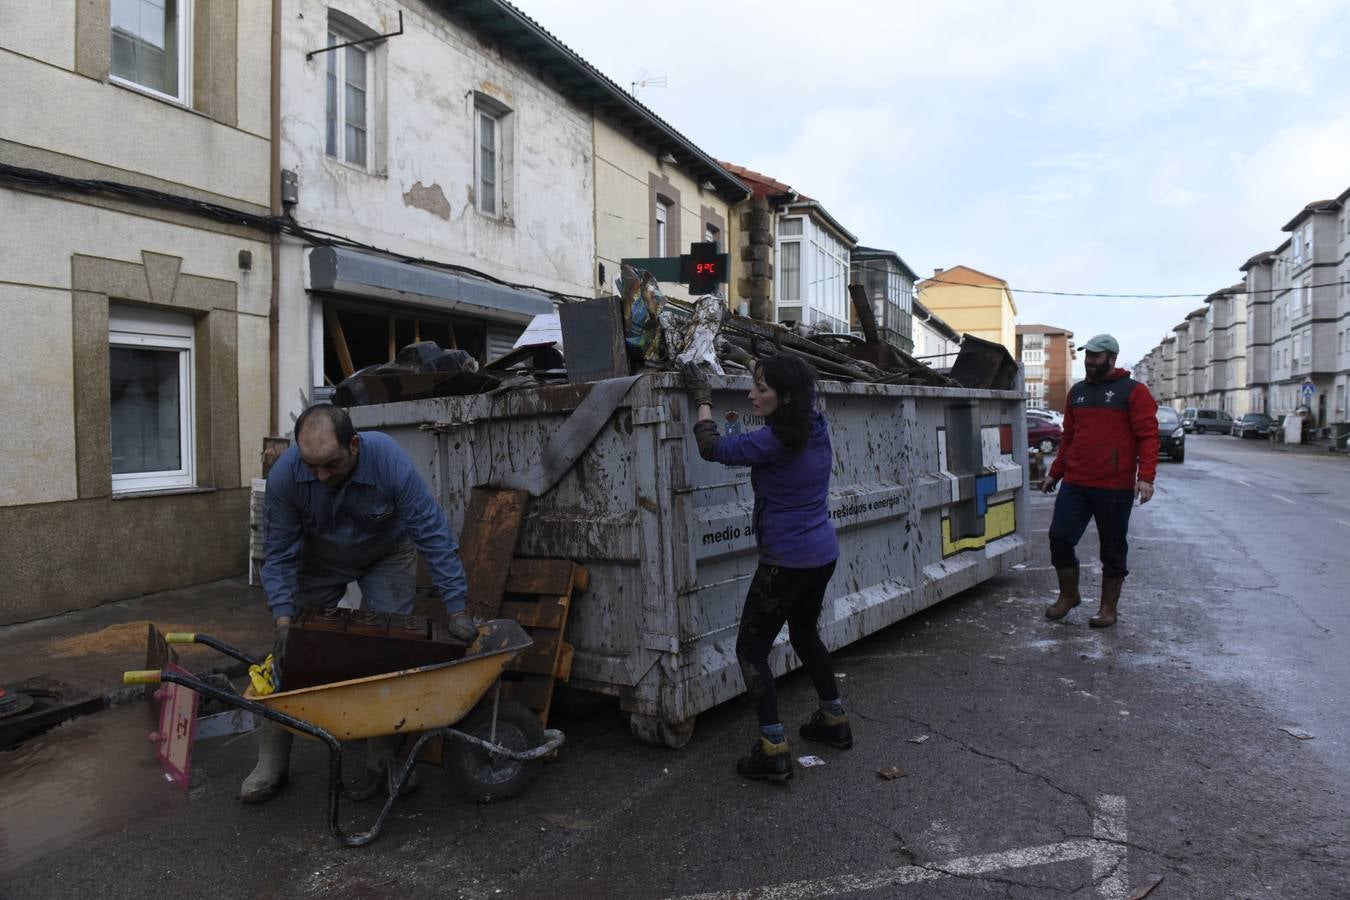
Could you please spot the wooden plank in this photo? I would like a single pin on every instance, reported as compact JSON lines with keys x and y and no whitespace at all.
{"x":562,"y":671}
{"x":531,"y":663}
{"x":540,"y":576}
{"x":492,"y":525}
{"x":863,"y":307}
{"x":548,"y":612}
{"x":339,"y":340}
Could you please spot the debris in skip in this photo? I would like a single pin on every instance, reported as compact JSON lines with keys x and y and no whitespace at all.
{"x":639,"y":329}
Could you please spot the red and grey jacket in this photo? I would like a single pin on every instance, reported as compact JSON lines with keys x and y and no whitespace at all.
{"x":1110,"y":434}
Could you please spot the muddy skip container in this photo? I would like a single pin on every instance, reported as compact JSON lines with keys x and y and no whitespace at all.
{"x":927,"y":493}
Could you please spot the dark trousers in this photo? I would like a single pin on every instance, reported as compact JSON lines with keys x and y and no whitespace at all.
{"x":777,"y":595}
{"x":1074,"y":507}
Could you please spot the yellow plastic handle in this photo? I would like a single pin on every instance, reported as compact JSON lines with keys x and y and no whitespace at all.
{"x":141,"y":676}
{"x":180,"y":637}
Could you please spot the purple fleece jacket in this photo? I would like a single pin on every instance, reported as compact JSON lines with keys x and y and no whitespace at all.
{"x":792,"y":491}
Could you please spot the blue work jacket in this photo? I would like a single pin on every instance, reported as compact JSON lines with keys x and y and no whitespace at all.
{"x":350,"y":529}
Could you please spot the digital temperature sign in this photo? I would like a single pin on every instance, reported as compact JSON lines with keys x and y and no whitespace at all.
{"x":706,"y":268}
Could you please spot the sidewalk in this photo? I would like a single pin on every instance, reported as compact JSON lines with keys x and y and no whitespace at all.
{"x":90,"y":649}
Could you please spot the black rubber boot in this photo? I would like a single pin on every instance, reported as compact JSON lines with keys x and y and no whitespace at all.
{"x":767,"y":761}
{"x":826,"y":728}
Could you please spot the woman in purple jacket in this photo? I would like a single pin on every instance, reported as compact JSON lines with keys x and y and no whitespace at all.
{"x":789,"y":464}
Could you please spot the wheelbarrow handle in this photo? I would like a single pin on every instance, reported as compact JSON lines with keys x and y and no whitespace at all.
{"x":553,"y":739}
{"x":189,"y":637}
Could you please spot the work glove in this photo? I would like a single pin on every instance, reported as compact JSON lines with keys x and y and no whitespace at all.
{"x":738,"y":355}
{"x":462,"y":626}
{"x":279,"y":636}
{"x":696,"y":383}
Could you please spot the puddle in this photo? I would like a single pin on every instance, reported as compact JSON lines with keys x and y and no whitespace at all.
{"x":90,"y":776}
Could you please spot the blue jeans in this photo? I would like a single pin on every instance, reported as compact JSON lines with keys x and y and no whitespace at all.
{"x":1074,"y":507}
{"x":388,"y":586}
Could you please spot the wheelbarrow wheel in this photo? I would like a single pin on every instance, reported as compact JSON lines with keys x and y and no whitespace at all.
{"x":482,"y":777}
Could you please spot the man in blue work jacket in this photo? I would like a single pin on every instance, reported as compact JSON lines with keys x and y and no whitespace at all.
{"x":343,"y":507}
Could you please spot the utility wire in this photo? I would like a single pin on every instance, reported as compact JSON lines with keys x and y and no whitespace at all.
{"x":1010,"y":289}
{"x":285,"y":224}
{"x":33,"y":179}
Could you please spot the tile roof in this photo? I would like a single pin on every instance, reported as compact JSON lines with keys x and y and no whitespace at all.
{"x":501,"y":23}
{"x":1034,"y":328}
{"x":975,"y":277}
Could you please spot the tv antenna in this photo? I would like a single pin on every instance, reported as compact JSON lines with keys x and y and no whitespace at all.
{"x":645,"y":81}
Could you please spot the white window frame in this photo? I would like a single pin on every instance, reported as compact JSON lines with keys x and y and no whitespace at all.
{"x":336,"y":68}
{"x":798,"y":238}
{"x":662,"y":212}
{"x":483,"y":120}
{"x":184,"y":95}
{"x":139,"y":328}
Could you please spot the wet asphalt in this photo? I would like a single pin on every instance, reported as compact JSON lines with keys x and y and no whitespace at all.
{"x":1039,"y":759}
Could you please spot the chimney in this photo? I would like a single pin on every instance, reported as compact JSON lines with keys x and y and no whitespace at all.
{"x":937,"y":272}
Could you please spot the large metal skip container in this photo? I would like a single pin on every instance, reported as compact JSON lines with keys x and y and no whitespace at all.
{"x":927,"y":493}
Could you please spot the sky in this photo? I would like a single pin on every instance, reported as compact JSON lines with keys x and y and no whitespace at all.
{"x":1129,"y":147}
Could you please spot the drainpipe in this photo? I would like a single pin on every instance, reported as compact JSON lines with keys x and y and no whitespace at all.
{"x":274,"y":308}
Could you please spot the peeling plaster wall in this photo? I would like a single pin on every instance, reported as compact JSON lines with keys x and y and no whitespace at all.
{"x":622,"y":204}
{"x":423,"y":117}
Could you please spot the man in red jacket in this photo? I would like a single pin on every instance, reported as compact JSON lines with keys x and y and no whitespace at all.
{"x":1109,"y":454}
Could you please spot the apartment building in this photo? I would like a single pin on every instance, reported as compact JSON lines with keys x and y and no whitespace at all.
{"x":1046,"y":353}
{"x":1226,"y":321}
{"x":1279,"y":341}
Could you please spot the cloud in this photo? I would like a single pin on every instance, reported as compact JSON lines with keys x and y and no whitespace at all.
{"x":1149,"y":146}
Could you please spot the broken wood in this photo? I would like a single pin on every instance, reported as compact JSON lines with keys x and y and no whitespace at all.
{"x":492,"y":524}
{"x":330,"y":317}
{"x":539,"y":596}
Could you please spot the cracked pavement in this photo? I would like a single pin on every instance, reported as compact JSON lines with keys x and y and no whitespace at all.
{"x":1234,"y":622}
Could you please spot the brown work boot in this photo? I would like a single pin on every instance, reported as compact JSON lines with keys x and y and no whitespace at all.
{"x":1068,"y":594}
{"x":1106,"y":614}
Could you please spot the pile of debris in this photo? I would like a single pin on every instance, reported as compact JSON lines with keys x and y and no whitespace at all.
{"x":640,"y":329}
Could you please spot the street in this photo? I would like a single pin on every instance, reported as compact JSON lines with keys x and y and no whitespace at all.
{"x":1038,"y":759}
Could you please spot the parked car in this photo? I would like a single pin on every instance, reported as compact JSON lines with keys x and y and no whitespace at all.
{"x":1171,"y":436}
{"x":1201,"y":420}
{"x":1042,"y":434}
{"x":1052,"y":415}
{"x":1257,"y":424}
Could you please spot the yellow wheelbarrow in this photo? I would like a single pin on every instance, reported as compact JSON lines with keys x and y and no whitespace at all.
{"x":493,"y":747}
